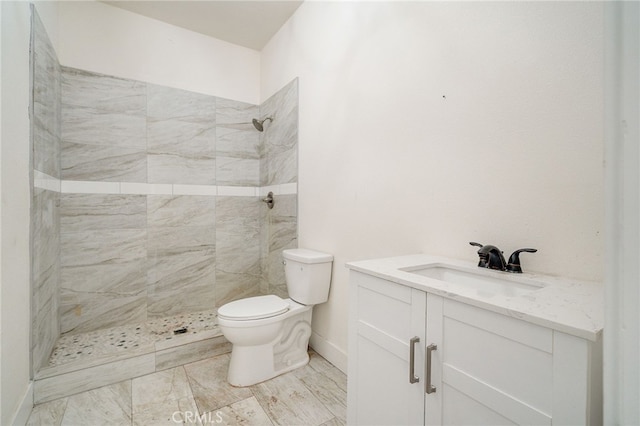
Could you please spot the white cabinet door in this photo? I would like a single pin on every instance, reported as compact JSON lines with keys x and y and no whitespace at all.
{"x":493,"y":370}
{"x":386,"y":330}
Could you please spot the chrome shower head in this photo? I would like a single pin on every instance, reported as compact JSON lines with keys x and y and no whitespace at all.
{"x":258,"y":124}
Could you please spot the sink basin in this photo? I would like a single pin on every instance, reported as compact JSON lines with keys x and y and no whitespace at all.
{"x":485,"y":282}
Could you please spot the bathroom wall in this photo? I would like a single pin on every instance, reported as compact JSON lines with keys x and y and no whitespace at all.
{"x":160,"y":212}
{"x":97,"y":37}
{"x":426,"y":125}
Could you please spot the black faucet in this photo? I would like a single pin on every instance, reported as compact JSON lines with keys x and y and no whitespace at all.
{"x":491,"y":257}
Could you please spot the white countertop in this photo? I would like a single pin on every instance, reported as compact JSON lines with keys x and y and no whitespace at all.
{"x":563,"y":304}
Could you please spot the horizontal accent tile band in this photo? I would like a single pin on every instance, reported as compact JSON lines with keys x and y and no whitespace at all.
{"x":44,"y":181}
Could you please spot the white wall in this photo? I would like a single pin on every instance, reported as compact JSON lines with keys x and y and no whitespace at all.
{"x":15,"y":318}
{"x":426,"y":125}
{"x":14,"y":214}
{"x":97,"y":37}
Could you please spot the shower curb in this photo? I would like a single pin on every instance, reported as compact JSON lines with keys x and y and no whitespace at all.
{"x":61,"y":381}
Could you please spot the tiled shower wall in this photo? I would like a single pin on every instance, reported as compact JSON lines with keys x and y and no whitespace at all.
{"x":279,"y":165}
{"x":155,"y":200}
{"x":45,"y":216}
{"x":182,"y":233}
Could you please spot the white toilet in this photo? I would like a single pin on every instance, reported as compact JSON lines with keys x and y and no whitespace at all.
{"x":270,"y":335}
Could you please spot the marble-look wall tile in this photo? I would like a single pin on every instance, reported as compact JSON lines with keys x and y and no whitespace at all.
{"x":238,"y":266}
{"x":238,"y":143}
{"x":111,"y":302}
{"x":46,"y":245}
{"x":237,"y":115}
{"x":102,"y":247}
{"x":46,"y":330}
{"x":102,"y":278}
{"x":280,"y":158}
{"x":180,"y":210}
{"x":238,"y":151}
{"x":103,"y":92}
{"x":103,"y":163}
{"x":181,"y":253}
{"x":280,"y":232}
{"x":45,"y":217}
{"x":103,"y":127}
{"x":102,"y":296}
{"x":81,"y":212}
{"x":235,"y":171}
{"x":279,"y":165}
{"x":181,"y":136}
{"x":180,"y":283}
{"x":46,"y":116}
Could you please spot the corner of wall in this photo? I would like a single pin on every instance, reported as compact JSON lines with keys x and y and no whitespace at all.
{"x":329,"y":351}
{"x":24,"y":408}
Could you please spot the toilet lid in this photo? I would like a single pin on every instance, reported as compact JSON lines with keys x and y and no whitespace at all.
{"x":253,"y":308}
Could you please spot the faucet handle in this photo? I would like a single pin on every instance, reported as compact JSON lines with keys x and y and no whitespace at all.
{"x":482,"y":263}
{"x":514,"y":260}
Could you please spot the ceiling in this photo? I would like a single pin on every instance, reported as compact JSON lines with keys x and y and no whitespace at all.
{"x":246,"y":23}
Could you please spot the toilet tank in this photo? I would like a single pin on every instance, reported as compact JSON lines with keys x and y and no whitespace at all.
{"x":308,"y":275}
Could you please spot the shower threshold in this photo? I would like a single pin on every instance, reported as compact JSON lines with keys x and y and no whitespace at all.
{"x":93,"y":359}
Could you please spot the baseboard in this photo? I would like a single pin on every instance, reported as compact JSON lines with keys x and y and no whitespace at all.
{"x":329,"y":351}
{"x":24,"y":410}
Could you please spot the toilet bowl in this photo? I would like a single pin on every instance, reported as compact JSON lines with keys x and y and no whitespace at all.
{"x":270,"y":335}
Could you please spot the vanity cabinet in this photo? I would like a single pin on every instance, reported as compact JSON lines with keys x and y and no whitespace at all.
{"x":485,"y":367}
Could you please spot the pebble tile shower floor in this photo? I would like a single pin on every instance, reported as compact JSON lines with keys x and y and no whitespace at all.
{"x":81,"y":347}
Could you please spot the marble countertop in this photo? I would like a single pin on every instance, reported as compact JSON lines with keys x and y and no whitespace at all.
{"x":571,"y":306}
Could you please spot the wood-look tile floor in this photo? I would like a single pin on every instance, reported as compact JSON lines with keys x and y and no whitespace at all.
{"x":198,"y":393}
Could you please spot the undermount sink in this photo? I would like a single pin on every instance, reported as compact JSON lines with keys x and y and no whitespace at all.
{"x":485,"y":282}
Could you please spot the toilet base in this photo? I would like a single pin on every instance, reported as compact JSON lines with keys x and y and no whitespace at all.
{"x":254,"y":364}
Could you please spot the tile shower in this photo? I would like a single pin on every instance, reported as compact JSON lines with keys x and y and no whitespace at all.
{"x":147,"y":211}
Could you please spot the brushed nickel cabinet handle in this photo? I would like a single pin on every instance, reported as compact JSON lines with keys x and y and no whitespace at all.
{"x":429,"y":387}
{"x":412,"y":356}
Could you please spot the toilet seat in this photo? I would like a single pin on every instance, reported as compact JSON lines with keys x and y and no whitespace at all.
{"x":253,"y":308}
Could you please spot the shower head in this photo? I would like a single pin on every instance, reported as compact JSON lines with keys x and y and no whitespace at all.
{"x":258,"y":124}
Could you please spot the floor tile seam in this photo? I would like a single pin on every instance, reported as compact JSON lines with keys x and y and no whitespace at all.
{"x":285,"y":401}
{"x":273,"y":423}
{"x":332,"y":394}
{"x":152,"y":410}
{"x":325,"y":375}
{"x":313,"y":393}
{"x":193,"y":394}
{"x":66,"y":402}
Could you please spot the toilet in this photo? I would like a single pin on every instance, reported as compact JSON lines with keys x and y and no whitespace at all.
{"x":269,"y":334}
